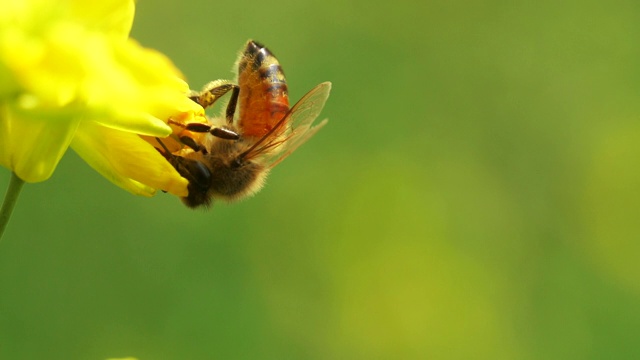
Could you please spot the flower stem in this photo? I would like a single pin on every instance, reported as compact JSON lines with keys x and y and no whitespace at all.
{"x":10,"y":199}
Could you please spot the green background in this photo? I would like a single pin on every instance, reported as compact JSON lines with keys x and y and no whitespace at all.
{"x":475,"y":195}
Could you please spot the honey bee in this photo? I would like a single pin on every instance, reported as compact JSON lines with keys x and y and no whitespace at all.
{"x":235,"y":155}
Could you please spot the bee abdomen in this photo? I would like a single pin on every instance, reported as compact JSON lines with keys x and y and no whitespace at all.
{"x":264,"y":97}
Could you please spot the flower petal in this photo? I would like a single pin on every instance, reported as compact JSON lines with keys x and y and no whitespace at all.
{"x":65,"y":61}
{"x":127,"y":160}
{"x":147,"y":89}
{"x":113,"y":17}
{"x":51,"y":68}
{"x":33,"y":146}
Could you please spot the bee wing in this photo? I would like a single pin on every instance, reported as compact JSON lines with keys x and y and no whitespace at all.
{"x":291,"y":145}
{"x":294,"y":129}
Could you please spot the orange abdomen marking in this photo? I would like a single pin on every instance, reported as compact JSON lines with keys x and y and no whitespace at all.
{"x":264,"y":98}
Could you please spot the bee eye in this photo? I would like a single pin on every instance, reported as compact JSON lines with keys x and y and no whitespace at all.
{"x":196,"y":172}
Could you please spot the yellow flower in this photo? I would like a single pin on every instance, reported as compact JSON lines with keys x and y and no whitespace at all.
{"x":71,"y":76}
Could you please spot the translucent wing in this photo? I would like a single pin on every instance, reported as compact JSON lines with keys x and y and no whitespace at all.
{"x":293,"y":130}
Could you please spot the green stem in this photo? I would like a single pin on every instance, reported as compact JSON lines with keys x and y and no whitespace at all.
{"x":10,"y":199}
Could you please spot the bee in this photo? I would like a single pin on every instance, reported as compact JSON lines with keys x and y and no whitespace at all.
{"x":235,"y":155}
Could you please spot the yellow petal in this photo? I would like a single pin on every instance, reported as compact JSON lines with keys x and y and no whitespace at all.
{"x":8,"y":84}
{"x":113,"y":17}
{"x":51,"y":68}
{"x":69,"y":60}
{"x":127,"y":160}
{"x":139,"y":97}
{"x":33,"y":146}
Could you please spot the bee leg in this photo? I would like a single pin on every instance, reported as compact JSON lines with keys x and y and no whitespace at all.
{"x":198,"y":175}
{"x":231,"y":106}
{"x":166,"y":150}
{"x":212,"y":92}
{"x":223,"y":133}
{"x":188,"y":141}
{"x":203,"y":128}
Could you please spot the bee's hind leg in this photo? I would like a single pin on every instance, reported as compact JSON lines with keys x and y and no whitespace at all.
{"x":214,"y":91}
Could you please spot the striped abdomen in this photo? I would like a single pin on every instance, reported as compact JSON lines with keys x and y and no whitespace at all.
{"x":264,"y":99}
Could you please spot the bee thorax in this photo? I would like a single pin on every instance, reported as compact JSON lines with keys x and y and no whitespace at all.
{"x":232,"y":177}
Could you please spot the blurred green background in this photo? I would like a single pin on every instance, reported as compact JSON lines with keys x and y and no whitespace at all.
{"x":476,"y":195}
